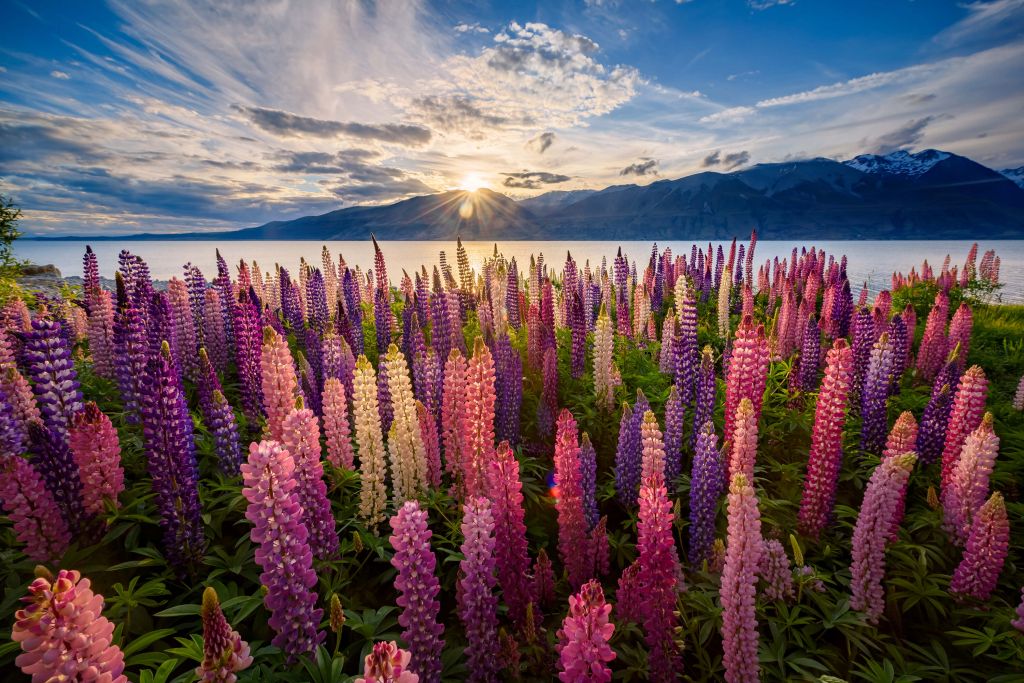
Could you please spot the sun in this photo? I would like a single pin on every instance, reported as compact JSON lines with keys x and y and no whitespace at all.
{"x":472,"y":182}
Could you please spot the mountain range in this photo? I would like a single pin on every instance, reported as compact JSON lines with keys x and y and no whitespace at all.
{"x":927,"y":195}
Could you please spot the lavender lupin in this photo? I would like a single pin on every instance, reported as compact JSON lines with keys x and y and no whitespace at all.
{"x":707,"y":481}
{"x":54,"y":380}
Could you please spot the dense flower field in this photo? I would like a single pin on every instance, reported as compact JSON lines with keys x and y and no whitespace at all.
{"x":698,"y":467}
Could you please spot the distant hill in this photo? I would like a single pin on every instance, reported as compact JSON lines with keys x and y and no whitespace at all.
{"x":927,"y":195}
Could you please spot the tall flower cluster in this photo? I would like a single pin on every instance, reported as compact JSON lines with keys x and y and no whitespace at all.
{"x":686,"y":344}
{"x":872,"y":532}
{"x":405,"y":444}
{"x":967,"y":487}
{"x":572,"y":522}
{"x":674,"y":414}
{"x":968,"y":407}
{"x":704,"y":393}
{"x":707,"y":479}
{"x":33,"y":512}
{"x":748,"y":373}
{"x":931,"y":435}
{"x":336,"y":426}
{"x":744,"y":446}
{"x":54,"y":380}
{"x":902,"y":439}
{"x":370,"y":440}
{"x":583,"y":649}
{"x":97,"y":451}
{"x":53,"y":459}
{"x":452,"y":401}
{"x":478,"y":605}
{"x":934,"y":343}
{"x":221,"y":422}
{"x":873,"y":398}
{"x":658,"y":563}
{"x":63,"y":633}
{"x":279,"y":385}
{"x":302,"y":440}
{"x":224,"y":651}
{"x":478,"y":418}
{"x":418,"y":590}
{"x":513,"y":561}
{"x":509,"y":390}
{"x":606,"y":375}
{"x":739,"y":582}
{"x":171,"y":456}
{"x":987,"y":546}
{"x":248,"y":355}
{"x":826,"y":441}
{"x":776,"y":571}
{"x":588,"y":480}
{"x":629,"y":451}
{"x":387,"y":663}
{"x":283,"y":552}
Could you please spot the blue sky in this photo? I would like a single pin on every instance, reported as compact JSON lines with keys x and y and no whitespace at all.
{"x":138,"y":115}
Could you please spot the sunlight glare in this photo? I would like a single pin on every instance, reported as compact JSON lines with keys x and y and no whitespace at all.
{"x":472,"y":182}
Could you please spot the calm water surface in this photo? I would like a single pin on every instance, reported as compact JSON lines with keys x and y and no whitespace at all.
{"x":868,"y":261}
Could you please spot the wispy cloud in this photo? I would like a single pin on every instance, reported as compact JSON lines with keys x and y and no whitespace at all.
{"x":285,"y":123}
{"x":727,"y":161}
{"x":641,"y":168}
{"x":542,"y":142}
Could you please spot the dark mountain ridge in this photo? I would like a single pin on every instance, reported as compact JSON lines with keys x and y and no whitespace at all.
{"x":927,"y":195}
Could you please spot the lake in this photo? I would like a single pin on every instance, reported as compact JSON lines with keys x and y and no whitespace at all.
{"x":870,"y":261}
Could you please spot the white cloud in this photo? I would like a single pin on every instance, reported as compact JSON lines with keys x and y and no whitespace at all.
{"x":730,"y":115}
{"x":475,"y":27}
{"x":60,"y":75}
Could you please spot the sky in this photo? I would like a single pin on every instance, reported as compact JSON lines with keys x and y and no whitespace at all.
{"x":131,"y":116}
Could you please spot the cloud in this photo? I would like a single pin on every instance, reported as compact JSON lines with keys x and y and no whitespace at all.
{"x":986,"y":23}
{"x":475,"y":27}
{"x":907,"y":135}
{"x":532,"y":180}
{"x":538,"y":74}
{"x":363,"y":178}
{"x":729,"y":115}
{"x":641,"y":168}
{"x":765,"y":4}
{"x":285,"y":124}
{"x":849,"y":87}
{"x":457,"y":113}
{"x":60,"y":75}
{"x":542,"y":142}
{"x":728,"y":162}
{"x":742,"y":74}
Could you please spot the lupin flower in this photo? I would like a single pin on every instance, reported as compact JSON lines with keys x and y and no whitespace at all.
{"x":572,"y":523}
{"x":967,"y":488}
{"x":63,"y":633}
{"x":370,"y":441}
{"x":776,"y":571}
{"x":658,"y":570}
{"x":336,"y":426}
{"x":606,"y":375}
{"x":968,"y":407}
{"x":301,"y":431}
{"x":214,"y":333}
{"x":987,"y":546}
{"x":478,"y":418}
{"x":1018,"y":623}
{"x":53,"y":375}
{"x":418,"y":588}
{"x":723,"y":303}
{"x":826,"y":441}
{"x":588,"y":480}
{"x":704,"y":393}
{"x":21,"y":397}
{"x":224,"y":651}
{"x":387,"y":663}
{"x":872,"y":532}
{"x":53,"y":459}
{"x":707,"y":480}
{"x":673,"y":433}
{"x":933,"y":343}
{"x":452,"y":402}
{"x":508,"y":385}
{"x":171,"y":458}
{"x":32,"y":509}
{"x":279,"y":384}
{"x":583,"y":650}
{"x":222,"y":425}
{"x":931,"y":434}
{"x":810,"y":355}
{"x":686,"y":344}
{"x":513,"y":561}
{"x":100,"y":332}
{"x":748,"y":373}
{"x":405,"y":444}
{"x":97,"y":451}
{"x":629,"y":452}
{"x":548,"y":405}
{"x":874,"y":396}
{"x":478,"y":605}
{"x":283,"y":553}
{"x":739,"y":582}
{"x":902,"y":439}
{"x":743,"y":451}
{"x":1018,"y":398}
{"x":543,"y":584}
{"x":431,"y":443}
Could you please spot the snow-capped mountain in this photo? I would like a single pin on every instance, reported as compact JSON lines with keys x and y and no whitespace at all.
{"x":1016,"y":175}
{"x":900,"y":162}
